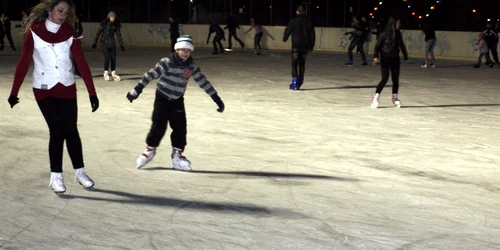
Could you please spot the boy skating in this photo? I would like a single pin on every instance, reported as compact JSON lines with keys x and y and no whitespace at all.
{"x":173,"y":74}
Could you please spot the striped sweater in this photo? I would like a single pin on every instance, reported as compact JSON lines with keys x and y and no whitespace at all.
{"x":173,"y":75}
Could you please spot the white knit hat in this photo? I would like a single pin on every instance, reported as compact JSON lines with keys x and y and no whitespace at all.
{"x":184,"y":42}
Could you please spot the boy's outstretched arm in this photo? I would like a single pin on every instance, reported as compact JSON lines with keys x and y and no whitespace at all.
{"x":202,"y":81}
{"x":160,"y":68}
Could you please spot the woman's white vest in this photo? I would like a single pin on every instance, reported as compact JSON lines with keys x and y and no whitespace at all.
{"x":52,"y":63}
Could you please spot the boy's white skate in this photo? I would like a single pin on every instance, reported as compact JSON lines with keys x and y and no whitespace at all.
{"x":57,"y":183}
{"x":106,"y":75}
{"x":180,"y":162}
{"x":82,"y":178}
{"x":375,"y":100}
{"x":145,"y":157}
{"x":115,"y":76}
{"x":396,"y":101}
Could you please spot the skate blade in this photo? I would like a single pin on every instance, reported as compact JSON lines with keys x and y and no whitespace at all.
{"x":181,"y":169}
{"x":141,"y":166}
{"x":59,"y":192}
{"x":88,"y":188}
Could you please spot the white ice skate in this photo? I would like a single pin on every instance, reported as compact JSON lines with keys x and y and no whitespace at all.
{"x":375,"y":100}
{"x":145,"y":157}
{"x":180,"y":162}
{"x":396,"y":101}
{"x":57,"y":183}
{"x":82,"y":178}
{"x":115,"y":76}
{"x":106,"y":75}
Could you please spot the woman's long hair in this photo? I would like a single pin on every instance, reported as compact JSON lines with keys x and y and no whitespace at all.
{"x":390,"y":28}
{"x":41,"y":12}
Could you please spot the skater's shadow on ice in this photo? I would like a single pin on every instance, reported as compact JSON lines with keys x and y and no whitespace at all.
{"x":262,"y":174}
{"x":454,"y":105}
{"x":456,"y":66}
{"x":132,"y":199}
{"x":344,"y":87}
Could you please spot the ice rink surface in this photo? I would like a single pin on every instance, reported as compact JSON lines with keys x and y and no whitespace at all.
{"x":279,"y":169}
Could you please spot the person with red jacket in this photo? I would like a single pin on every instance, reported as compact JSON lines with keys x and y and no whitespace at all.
{"x":50,"y":40}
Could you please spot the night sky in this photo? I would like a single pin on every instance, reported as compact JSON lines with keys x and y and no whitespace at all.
{"x":448,"y":14}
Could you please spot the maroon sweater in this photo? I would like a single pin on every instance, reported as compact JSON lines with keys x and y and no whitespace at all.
{"x":59,"y":90}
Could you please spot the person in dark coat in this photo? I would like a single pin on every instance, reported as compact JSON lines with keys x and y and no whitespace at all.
{"x":491,"y":38}
{"x":303,"y":38}
{"x":219,"y":35}
{"x":79,"y":31}
{"x":387,"y":49}
{"x":174,"y":32}
{"x":358,"y":38}
{"x":5,"y":30}
{"x":430,"y":43}
{"x":109,"y":27}
{"x":231,"y":27}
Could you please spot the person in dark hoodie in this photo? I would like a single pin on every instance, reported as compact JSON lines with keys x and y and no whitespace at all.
{"x":219,"y":35}
{"x":388,"y":47}
{"x":303,"y":38}
{"x":358,"y":39}
{"x":79,"y":31}
{"x":491,"y":38}
{"x":232,"y":25}
{"x":109,"y":27}
{"x":174,"y":31}
{"x":5,"y":30}
{"x":430,"y":43}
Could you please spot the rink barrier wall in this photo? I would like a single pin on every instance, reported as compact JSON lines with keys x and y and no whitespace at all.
{"x":450,"y":44}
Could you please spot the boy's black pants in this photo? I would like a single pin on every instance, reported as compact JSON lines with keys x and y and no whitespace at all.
{"x":166,"y":111}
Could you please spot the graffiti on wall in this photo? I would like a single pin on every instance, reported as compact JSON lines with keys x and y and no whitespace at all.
{"x":343,"y":39}
{"x":163,"y":30}
{"x":442,"y":43}
{"x":414,"y":41}
{"x":473,"y":39}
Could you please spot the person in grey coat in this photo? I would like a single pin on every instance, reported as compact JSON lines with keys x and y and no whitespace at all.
{"x":109,"y":27}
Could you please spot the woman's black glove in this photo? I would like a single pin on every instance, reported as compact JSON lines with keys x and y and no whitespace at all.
{"x":94,"y":102}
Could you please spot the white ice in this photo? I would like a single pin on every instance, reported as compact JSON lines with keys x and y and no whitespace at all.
{"x":279,"y":169}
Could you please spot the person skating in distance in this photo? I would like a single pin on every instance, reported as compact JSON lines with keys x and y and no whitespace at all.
{"x":388,"y":47}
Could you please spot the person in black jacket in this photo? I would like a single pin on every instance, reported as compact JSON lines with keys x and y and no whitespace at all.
{"x":491,"y":38}
{"x":106,"y":32}
{"x":232,"y":26}
{"x":303,"y":39}
{"x":174,"y":32}
{"x":219,"y":35}
{"x":388,"y":46}
{"x":358,"y":39}
{"x":430,"y":43}
{"x":5,"y":31}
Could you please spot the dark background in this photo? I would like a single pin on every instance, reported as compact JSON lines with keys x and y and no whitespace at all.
{"x":448,"y":14}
